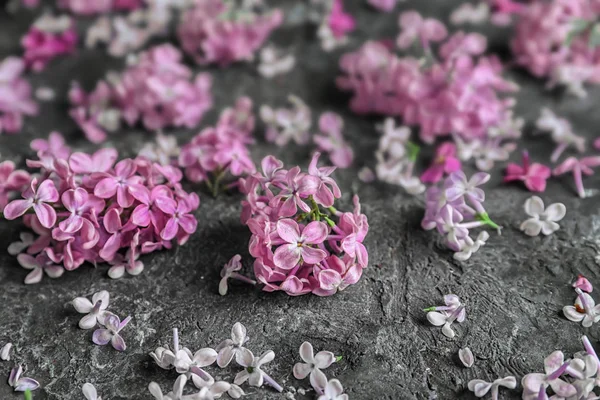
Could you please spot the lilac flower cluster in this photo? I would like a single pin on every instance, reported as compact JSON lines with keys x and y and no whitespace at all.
{"x":218,"y":31}
{"x":455,"y":207}
{"x":554,"y":39}
{"x":191,"y":366}
{"x":300,"y":242}
{"x":15,"y":96}
{"x":156,"y":89}
{"x":84,"y":207}
{"x":455,"y":90}
{"x":84,"y":7}
{"x":48,"y":38}
{"x":221,"y":150}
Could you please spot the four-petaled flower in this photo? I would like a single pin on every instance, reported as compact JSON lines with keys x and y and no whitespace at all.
{"x":37,"y":197}
{"x":313,"y":364}
{"x":38,"y":265}
{"x":21,"y":384}
{"x":445,"y":162}
{"x":445,"y":319}
{"x":121,"y":183}
{"x":480,"y":387}
{"x":95,"y":309}
{"x":179,"y":217}
{"x":252,"y":367}
{"x":542,"y":220}
{"x":110,"y":334}
{"x":297,"y":243}
{"x":533,"y":175}
{"x":554,"y":367}
{"x":230,"y":271}
{"x":233,"y":347}
{"x":333,"y":390}
{"x":585,"y":310}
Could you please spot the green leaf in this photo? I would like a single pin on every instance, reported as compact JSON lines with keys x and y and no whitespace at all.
{"x":594,"y":40}
{"x":578,"y":26}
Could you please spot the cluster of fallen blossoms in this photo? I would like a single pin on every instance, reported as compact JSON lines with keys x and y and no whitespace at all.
{"x":222,"y":32}
{"x":455,"y":207}
{"x":300,"y":242}
{"x":156,"y":89}
{"x":47,"y":38}
{"x":15,"y":96}
{"x":84,"y":207}
{"x":454,"y":90}
{"x":99,"y":7}
{"x":559,"y":40}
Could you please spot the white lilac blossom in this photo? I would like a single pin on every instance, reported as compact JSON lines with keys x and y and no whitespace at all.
{"x":95,"y":309}
{"x":445,"y":315}
{"x":5,"y":352}
{"x":554,"y":367}
{"x":175,"y":394}
{"x":542,"y":220}
{"x":164,"y":357}
{"x":466,"y":357}
{"x":233,"y":347}
{"x":38,"y":265}
{"x":561,"y":132}
{"x":163,"y":150}
{"x":480,"y":387}
{"x":333,"y":390}
{"x":585,"y":310}
{"x":468,"y":13}
{"x":113,"y":325}
{"x":252,"y":369}
{"x":284,"y":125}
{"x":471,"y":246}
{"x":313,"y":363}
{"x":273,"y":62}
{"x":89,"y":391}
{"x":230,"y":271}
{"x":27,"y":240}
{"x":366,"y":175}
{"x":191,"y":365}
{"x":19,"y":383}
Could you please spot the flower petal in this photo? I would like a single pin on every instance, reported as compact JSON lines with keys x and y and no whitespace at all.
{"x":101,"y":337}
{"x":34,"y":276}
{"x":205,"y":357}
{"x":315,"y":232}
{"x":82,"y":305}
{"x":466,"y":357}
{"x":89,"y":391}
{"x":555,"y":212}
{"x":118,"y":343}
{"x":24,"y":384}
{"x":266,"y":357}
{"x":436,"y":318}
{"x":324,"y":359}
{"x":256,"y":379}
{"x":88,"y":321}
{"x":287,"y":256}
{"x":288,"y":230}
{"x":534,"y":206}
{"x":238,"y":334}
{"x":225,"y":356}
{"x":241,"y":377}
{"x":307,"y":353}
{"x":447,"y":331}
{"x":531,"y":227}
{"x":301,"y":370}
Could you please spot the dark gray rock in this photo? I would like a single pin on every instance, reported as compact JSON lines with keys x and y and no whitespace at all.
{"x":514,"y":288}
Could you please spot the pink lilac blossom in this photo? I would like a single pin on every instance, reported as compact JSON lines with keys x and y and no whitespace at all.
{"x":157,"y":90}
{"x":300,"y":242}
{"x":583,"y":283}
{"x":217,"y":31}
{"x":534,"y":176}
{"x":85,"y":208}
{"x":334,"y":26}
{"x":579,"y":168}
{"x":548,"y":43}
{"x":455,"y":207}
{"x":221,"y":152}
{"x":561,"y":132}
{"x":48,"y":38}
{"x":15,"y":96}
{"x":383,"y":5}
{"x":287,"y":124}
{"x":86,"y":7}
{"x":459,"y":91}
{"x":331,"y":140}
{"x":445,"y":162}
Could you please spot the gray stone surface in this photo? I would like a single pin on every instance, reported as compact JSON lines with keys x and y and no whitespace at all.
{"x":514,"y":288}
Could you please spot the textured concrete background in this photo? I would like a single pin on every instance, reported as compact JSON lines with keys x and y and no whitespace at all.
{"x":514,"y":288}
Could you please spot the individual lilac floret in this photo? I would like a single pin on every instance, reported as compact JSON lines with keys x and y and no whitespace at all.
{"x":313,"y":363}
{"x":561,"y":131}
{"x":230,"y":271}
{"x":110,"y":334}
{"x":284,"y":125}
{"x":579,"y":168}
{"x":176,"y":394}
{"x":585,"y":310}
{"x":332,"y":390}
{"x":27,"y":240}
{"x":554,"y":367}
{"x":164,"y":357}
{"x":192,"y":364}
{"x":5,"y":352}
{"x":89,"y":391}
{"x":233,"y":347}
{"x":446,"y":315}
{"x":481,"y":387}
{"x":21,"y":384}
{"x":589,"y":348}
{"x":583,"y":284}
{"x":466,"y":357}
{"x":542,"y":220}
{"x":95,"y":309}
{"x":471,"y":246}
{"x":212,"y":390}
{"x":253,"y":372}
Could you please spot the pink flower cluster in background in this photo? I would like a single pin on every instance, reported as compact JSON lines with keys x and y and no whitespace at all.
{"x":88,"y":7}
{"x":455,"y":207}
{"x":48,"y":38}
{"x":85,"y":208}
{"x":300,"y":242}
{"x":455,"y":90}
{"x":222,"y":150}
{"x":383,"y":5}
{"x":157,"y":89}
{"x":216,"y":31}
{"x":15,"y":95}
{"x":552,"y":40}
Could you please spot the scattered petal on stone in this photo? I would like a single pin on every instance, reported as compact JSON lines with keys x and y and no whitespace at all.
{"x":466,"y":357}
{"x":5,"y":352}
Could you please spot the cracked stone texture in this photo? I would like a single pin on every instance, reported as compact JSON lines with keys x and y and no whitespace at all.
{"x":514,"y":288}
